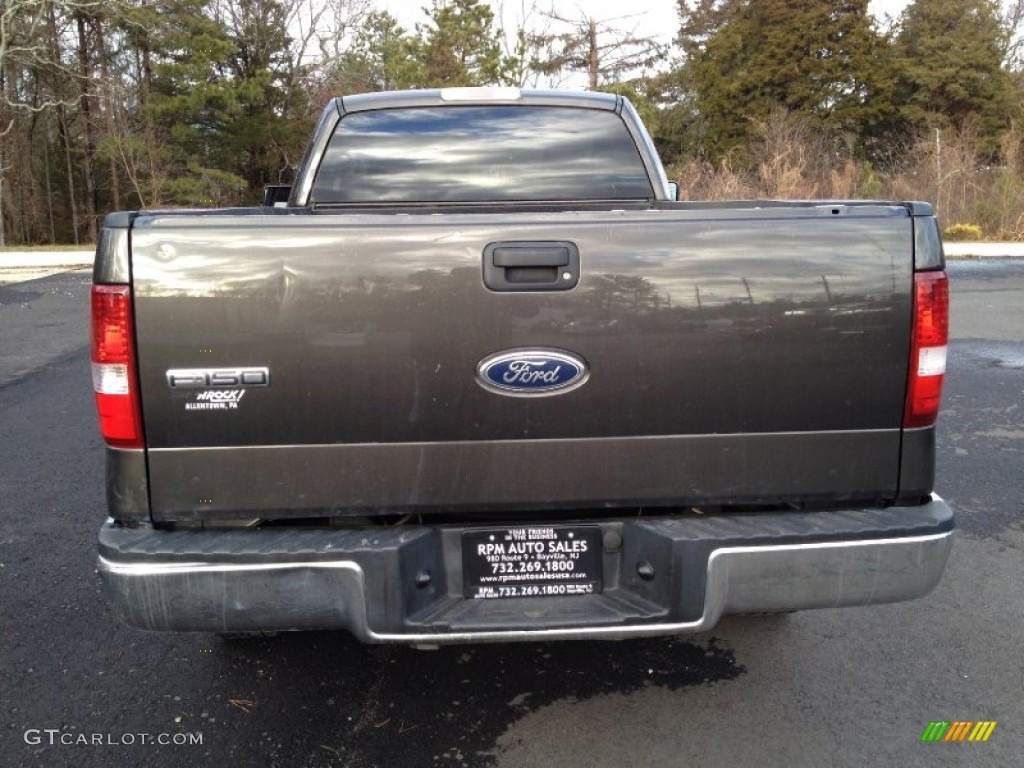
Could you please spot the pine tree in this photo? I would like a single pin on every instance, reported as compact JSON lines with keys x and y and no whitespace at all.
{"x":949,"y":55}
{"x":382,"y":58}
{"x":221,"y":98}
{"x":192,"y":98}
{"x":746,"y":58}
{"x":261,"y":135}
{"x":459,"y":46}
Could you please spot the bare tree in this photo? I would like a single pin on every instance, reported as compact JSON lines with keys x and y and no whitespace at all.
{"x":325,"y":27}
{"x":528,"y":41}
{"x":27,"y":29}
{"x":605,"y":51}
{"x":1013,"y":28}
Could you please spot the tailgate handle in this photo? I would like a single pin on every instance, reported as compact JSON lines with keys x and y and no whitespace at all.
{"x":551,"y":256}
{"x":531,"y":266}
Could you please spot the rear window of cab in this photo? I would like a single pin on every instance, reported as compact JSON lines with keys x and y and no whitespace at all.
{"x":480,"y":154}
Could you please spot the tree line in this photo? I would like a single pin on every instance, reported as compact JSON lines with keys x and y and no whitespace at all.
{"x":129,"y":104}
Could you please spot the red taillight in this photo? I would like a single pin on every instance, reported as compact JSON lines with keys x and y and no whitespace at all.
{"x":113,"y":366}
{"x":928,"y":351}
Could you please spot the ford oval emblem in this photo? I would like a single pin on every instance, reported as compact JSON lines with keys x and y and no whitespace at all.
{"x":532,"y":372}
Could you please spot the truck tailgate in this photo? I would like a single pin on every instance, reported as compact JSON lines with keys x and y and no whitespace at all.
{"x":734,"y":356}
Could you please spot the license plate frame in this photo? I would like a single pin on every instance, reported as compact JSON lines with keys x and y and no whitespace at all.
{"x":532,"y":561}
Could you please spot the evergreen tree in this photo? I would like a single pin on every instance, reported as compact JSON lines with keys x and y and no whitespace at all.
{"x":949,"y":55}
{"x":382,"y":58}
{"x":192,"y":99}
{"x":459,"y":46}
{"x":261,"y":136}
{"x":746,"y":58}
{"x":221,"y":97}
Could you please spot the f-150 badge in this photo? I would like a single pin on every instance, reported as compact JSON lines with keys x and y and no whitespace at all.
{"x":217,"y":378}
{"x":532,"y":372}
{"x":216,"y":389}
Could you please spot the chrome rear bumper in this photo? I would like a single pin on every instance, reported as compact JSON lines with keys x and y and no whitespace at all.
{"x":365,"y":581}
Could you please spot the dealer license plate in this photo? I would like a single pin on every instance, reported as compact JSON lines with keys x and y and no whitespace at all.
{"x":532,"y":561}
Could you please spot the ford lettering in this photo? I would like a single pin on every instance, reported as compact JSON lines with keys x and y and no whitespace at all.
{"x":532,"y":372}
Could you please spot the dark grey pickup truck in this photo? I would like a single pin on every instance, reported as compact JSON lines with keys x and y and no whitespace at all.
{"x":480,"y":377}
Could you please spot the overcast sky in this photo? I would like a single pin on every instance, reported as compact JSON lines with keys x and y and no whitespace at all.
{"x":645,"y":18}
{"x":650,"y":18}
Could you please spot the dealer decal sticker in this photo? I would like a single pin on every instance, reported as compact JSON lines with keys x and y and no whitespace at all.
{"x":216,"y":400}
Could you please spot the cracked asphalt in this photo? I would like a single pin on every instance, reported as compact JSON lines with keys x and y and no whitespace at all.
{"x":821,"y":688}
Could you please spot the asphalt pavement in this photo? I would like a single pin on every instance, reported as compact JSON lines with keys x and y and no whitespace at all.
{"x":846,"y":687}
